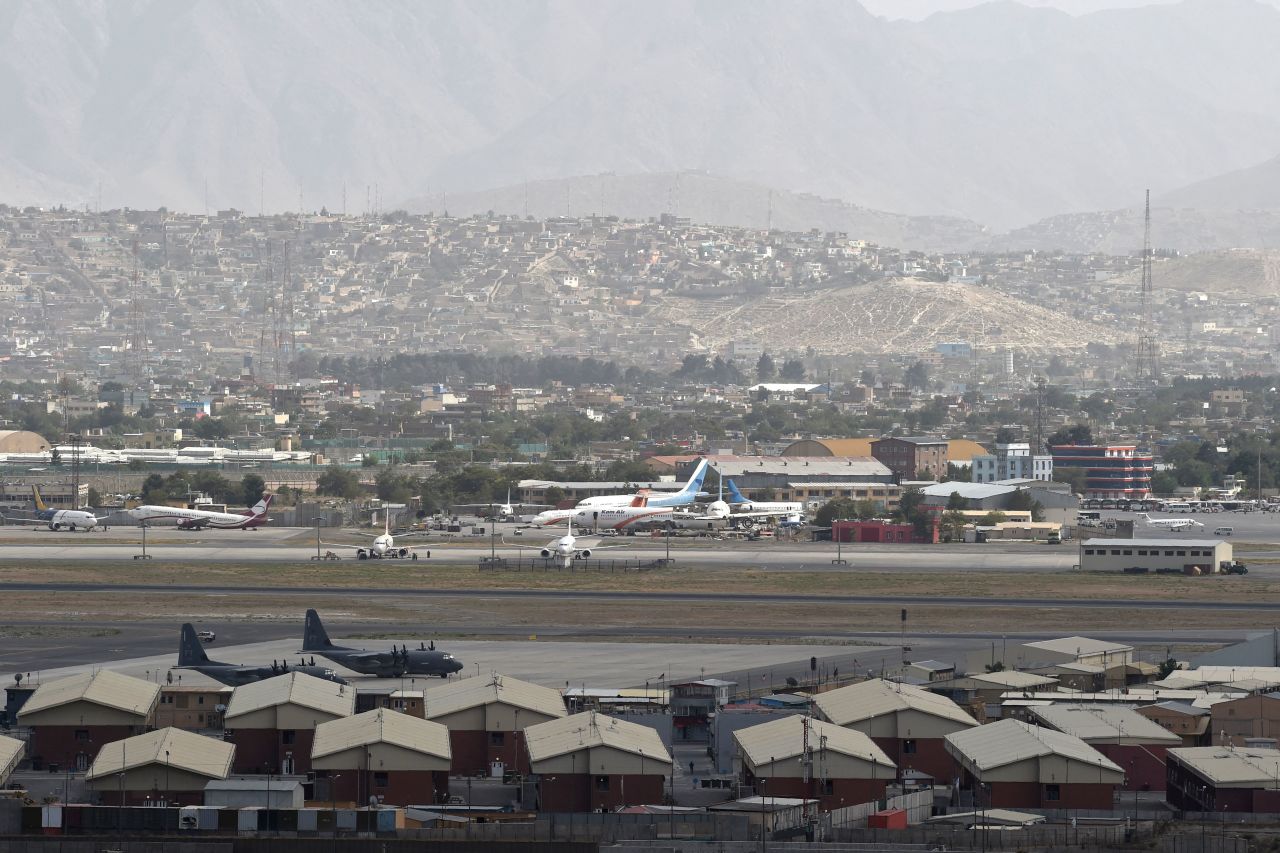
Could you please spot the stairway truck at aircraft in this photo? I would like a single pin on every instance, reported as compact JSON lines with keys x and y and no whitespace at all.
{"x":59,"y":519}
{"x":687,"y":495}
{"x":566,"y":549}
{"x":1169,"y":523}
{"x":200,"y":519}
{"x":392,"y":663}
{"x":191,"y":655}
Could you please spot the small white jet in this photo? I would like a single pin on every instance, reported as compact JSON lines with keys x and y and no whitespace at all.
{"x":1169,"y":523}
{"x":565,"y":549}
{"x":383,"y":546}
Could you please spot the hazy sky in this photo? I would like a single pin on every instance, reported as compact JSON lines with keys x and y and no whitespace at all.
{"x":916,"y":9}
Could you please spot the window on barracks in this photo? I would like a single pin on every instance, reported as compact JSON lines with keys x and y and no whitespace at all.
{"x":828,"y":787}
{"x":82,"y":734}
{"x":602,"y":783}
{"x":1052,"y":793}
{"x":908,"y":747}
{"x":379,"y":780}
{"x":497,"y":738}
{"x":288,"y":737}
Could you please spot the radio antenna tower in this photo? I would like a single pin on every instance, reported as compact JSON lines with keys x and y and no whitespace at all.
{"x":135,"y":347}
{"x":1147,"y":359}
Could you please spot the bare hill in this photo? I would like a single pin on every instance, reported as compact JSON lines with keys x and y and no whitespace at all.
{"x":710,"y":199}
{"x":1119,"y":232}
{"x":1255,"y":188}
{"x":1243,"y":271}
{"x":900,"y":315}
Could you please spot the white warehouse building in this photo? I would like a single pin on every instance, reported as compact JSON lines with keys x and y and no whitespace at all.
{"x":1108,"y":555}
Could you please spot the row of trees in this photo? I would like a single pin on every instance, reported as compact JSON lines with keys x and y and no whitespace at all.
{"x":181,"y":484}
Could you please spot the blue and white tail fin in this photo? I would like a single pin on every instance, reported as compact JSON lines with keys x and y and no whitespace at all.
{"x":735,"y":496}
{"x":694,"y":486}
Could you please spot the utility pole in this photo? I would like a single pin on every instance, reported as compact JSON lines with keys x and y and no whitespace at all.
{"x":1039,"y":445}
{"x":1147,"y":357}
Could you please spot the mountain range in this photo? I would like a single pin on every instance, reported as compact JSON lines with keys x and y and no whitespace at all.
{"x":999,"y":114}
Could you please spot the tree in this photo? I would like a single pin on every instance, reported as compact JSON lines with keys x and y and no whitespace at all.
{"x":959,"y":473}
{"x":153,"y":489}
{"x":55,"y":458}
{"x":867,"y":509}
{"x":555,"y":495}
{"x":766,"y":370}
{"x":1074,"y":434}
{"x":793,"y":370}
{"x":252,"y":488}
{"x":628,"y":471}
{"x":952,"y":525}
{"x":835,"y":509}
{"x":1075,"y":476}
{"x":993,"y":518}
{"x":956,"y":501}
{"x":338,"y":482}
{"x":917,"y":376}
{"x":394,"y":487}
{"x":1006,"y":435}
{"x":1164,"y":483}
{"x":94,"y":498}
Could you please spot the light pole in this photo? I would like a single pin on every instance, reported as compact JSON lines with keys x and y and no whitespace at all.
{"x":144,"y":555}
{"x":316,"y":521}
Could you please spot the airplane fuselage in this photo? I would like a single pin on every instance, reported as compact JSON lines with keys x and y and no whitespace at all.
{"x":194,"y":518}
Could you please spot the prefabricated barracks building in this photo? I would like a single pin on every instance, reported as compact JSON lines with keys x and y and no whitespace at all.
{"x":1102,"y":555}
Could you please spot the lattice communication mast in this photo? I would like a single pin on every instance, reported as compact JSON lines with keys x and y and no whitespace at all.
{"x":135,"y":347}
{"x":1147,"y":358}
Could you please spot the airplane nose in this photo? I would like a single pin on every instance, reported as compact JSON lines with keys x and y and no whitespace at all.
{"x":455,"y":666}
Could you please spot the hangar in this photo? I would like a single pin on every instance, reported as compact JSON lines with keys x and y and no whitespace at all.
{"x":22,"y":441}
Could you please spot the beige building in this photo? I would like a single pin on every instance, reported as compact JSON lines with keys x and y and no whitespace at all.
{"x":1251,"y":718}
{"x":1082,"y":650}
{"x":72,"y":718}
{"x":486,"y":717}
{"x":905,"y":721}
{"x":395,"y":757}
{"x":22,"y":441}
{"x":587,"y":762}
{"x":190,"y":707}
{"x":166,"y":765}
{"x":272,"y":722}
{"x":846,"y":767}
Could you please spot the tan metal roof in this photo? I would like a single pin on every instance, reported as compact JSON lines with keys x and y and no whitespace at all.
{"x":1105,"y":724}
{"x":1232,"y":767}
{"x":104,"y":687}
{"x":485,"y":689}
{"x":10,"y":755}
{"x":584,"y":731}
{"x":381,"y":726}
{"x":1010,"y":741}
{"x":783,"y":738}
{"x":1010,"y":679}
{"x":877,"y":697}
{"x":1079,"y":646}
{"x":295,"y":688}
{"x":176,"y":748}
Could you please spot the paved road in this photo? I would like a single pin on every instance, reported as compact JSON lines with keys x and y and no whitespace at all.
{"x":626,"y":595}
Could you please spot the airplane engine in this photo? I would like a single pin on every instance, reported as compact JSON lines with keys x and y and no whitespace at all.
{"x":362,"y":554}
{"x":53,"y":526}
{"x":403,"y":552}
{"x":545,"y":553}
{"x":585,"y":553}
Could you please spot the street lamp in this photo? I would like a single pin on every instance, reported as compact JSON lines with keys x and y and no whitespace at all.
{"x":144,"y":555}
{"x":316,"y":521}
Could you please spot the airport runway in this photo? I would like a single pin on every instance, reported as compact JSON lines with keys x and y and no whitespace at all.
{"x":465,"y":594}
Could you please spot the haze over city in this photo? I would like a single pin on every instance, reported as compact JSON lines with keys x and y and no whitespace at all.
{"x":640,"y":426}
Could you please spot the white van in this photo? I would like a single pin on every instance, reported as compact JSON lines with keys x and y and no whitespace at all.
{"x":1222,"y":531}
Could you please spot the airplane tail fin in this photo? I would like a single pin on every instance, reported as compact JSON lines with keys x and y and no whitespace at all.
{"x":640,"y":500}
{"x":190,"y":652}
{"x":263,"y":504}
{"x":695,"y":482}
{"x":735,"y":496}
{"x":314,"y":636}
{"x":35,"y":494}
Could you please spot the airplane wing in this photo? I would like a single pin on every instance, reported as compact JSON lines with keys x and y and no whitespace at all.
{"x":523,"y":547}
{"x":12,"y":520}
{"x":776,"y":513}
{"x":344,"y":545}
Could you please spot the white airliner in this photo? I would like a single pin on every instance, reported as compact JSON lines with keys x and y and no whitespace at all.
{"x":383,"y":546}
{"x":58,"y":519}
{"x":1169,"y":523}
{"x":685,"y":496}
{"x":620,"y":518}
{"x":566,"y":549}
{"x":743,"y":506}
{"x":199,"y":519}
